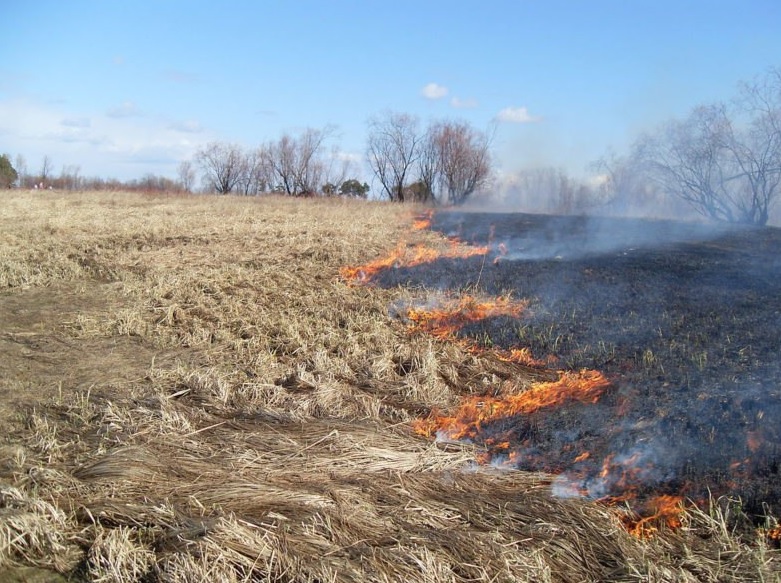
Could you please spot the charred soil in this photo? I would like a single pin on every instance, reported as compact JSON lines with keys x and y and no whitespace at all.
{"x":684,"y":319}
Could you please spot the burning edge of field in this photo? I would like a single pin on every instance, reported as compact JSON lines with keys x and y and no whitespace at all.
{"x":188,"y":399}
{"x":491,"y":418}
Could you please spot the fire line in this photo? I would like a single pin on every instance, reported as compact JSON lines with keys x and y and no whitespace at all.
{"x":468,"y":422}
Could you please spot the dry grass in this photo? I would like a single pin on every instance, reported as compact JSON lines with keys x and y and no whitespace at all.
{"x":193,"y":394}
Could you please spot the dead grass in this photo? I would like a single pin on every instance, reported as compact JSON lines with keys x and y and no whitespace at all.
{"x":194,"y":394}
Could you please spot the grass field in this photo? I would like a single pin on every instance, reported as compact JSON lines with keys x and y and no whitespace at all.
{"x":191,"y":391}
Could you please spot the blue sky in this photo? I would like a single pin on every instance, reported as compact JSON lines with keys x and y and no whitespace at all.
{"x":121,"y":89}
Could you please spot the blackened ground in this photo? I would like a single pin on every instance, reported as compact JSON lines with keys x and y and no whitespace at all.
{"x":684,"y":318}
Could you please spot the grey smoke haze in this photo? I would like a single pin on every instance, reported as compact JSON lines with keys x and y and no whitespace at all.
{"x":570,"y":237}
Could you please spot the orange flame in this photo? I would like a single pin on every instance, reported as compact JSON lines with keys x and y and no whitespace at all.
{"x":773,"y":533}
{"x":502,"y":252}
{"x":453,"y":315}
{"x":585,"y":386}
{"x":422,"y":221}
{"x":664,"y":509}
{"x":522,"y":356}
{"x":408,"y":256}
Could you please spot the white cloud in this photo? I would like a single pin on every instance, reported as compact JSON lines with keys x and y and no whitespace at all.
{"x":434,"y":91}
{"x":468,"y":103}
{"x":117,"y":147}
{"x":125,"y":109}
{"x":516,"y":115}
{"x":188,"y":126}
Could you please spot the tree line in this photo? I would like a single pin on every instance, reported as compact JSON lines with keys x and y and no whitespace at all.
{"x":446,"y":162}
{"x":291,"y":165}
{"x":18,"y":174}
{"x":722,"y":160}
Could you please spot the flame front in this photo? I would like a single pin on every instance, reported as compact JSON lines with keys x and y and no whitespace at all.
{"x":474,"y":412}
{"x":405,"y":255}
{"x":408,"y":256}
{"x":422,"y":221}
{"x":664,"y":509}
{"x":442,"y":322}
{"x":486,"y":419}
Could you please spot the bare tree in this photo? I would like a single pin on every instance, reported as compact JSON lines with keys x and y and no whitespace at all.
{"x":429,"y":166}
{"x":222,"y":166}
{"x":547,"y":189}
{"x":757,"y":147}
{"x":309,"y":168}
{"x":279,"y":156}
{"x":257,"y":175}
{"x":392,"y":151}
{"x":464,"y":159}
{"x":46,"y":170}
{"x":724,"y":161}
{"x":688,"y":159}
{"x":186,"y":174}
{"x":297,"y":163}
{"x":621,"y":186}
{"x":337,"y":167}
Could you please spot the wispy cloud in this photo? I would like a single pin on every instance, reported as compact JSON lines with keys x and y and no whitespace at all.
{"x":516,"y":115}
{"x":459,"y":103}
{"x":119,"y":146}
{"x":125,"y":109}
{"x":434,"y":91}
{"x":188,"y":126}
{"x":76,"y":122}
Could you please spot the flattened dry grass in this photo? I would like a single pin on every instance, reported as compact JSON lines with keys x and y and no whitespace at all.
{"x":194,"y":394}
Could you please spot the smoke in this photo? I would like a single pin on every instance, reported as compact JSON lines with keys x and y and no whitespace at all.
{"x":644,"y":466}
{"x":554,"y":190}
{"x":519,"y":237}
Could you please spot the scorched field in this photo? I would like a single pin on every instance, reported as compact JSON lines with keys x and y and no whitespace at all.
{"x":236,"y":389}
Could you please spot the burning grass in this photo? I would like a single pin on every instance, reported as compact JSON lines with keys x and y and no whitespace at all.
{"x":667,"y":311}
{"x":191,"y":392}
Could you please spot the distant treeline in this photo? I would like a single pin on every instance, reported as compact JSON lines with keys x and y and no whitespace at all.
{"x":722,"y":161}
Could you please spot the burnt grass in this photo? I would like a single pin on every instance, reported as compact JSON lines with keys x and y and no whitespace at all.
{"x":683,"y":318}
